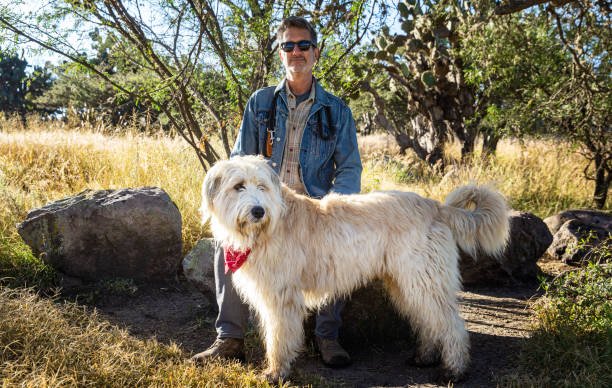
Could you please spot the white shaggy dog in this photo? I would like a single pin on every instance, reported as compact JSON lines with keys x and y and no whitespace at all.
{"x":301,"y":252}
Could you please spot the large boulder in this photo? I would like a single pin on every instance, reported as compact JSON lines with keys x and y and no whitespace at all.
{"x":129,"y":233}
{"x":529,"y":238}
{"x":580,"y":236}
{"x":595,"y":218}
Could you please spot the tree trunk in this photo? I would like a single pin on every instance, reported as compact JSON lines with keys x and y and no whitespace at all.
{"x":602,"y":181}
{"x":405,"y":142}
{"x":368,"y":124}
{"x":489,"y":142}
{"x":428,"y":142}
{"x":436,"y":158}
{"x":22,"y":117}
{"x":467,"y":148}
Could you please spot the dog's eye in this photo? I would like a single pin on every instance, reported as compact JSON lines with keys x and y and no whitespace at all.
{"x":239,"y":187}
{"x":262,"y":187}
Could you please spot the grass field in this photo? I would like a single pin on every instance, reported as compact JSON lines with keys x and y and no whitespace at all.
{"x":58,"y":344}
{"x":47,"y":162}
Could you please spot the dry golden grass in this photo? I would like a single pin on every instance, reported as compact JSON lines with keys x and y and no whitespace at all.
{"x":45,"y":343}
{"x":539,"y":176}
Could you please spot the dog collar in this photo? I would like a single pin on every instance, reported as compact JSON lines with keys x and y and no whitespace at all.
{"x":235,"y":258}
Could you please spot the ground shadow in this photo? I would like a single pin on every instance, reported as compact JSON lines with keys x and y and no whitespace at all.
{"x":492,"y":355}
{"x":495,"y":318}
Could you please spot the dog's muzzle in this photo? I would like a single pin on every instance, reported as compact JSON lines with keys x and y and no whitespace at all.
{"x":258,"y":212}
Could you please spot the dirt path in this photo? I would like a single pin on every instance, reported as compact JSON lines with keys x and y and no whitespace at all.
{"x":497,"y":319}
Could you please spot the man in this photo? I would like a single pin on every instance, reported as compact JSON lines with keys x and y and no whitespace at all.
{"x":310,"y":139}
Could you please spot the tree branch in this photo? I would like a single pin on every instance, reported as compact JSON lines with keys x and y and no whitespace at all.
{"x":218,"y":44}
{"x":358,"y":39}
{"x":514,"y":6}
{"x":73,"y":58}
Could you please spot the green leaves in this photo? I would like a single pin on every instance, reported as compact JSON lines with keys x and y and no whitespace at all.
{"x":381,"y":42}
{"x":415,"y":45}
{"x":405,"y":70}
{"x":19,"y":89}
{"x":581,"y":299}
{"x":403,"y":9}
{"x":407,"y":26}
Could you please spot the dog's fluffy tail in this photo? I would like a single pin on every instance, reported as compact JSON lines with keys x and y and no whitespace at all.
{"x":478,"y":217}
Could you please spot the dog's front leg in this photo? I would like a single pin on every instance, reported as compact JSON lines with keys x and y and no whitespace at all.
{"x":284,"y":334}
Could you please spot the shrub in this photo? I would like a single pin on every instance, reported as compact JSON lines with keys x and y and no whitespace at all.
{"x":19,"y":268}
{"x":571,"y":345}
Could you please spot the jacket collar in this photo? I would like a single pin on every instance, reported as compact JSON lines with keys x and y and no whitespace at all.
{"x":321,"y":96}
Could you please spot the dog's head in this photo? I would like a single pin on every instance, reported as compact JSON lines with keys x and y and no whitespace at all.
{"x":242,"y":197}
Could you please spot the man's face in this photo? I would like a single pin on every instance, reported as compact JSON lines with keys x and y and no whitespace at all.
{"x":298,"y":61}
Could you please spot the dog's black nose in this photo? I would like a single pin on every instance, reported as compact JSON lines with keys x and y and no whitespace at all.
{"x":258,"y":212}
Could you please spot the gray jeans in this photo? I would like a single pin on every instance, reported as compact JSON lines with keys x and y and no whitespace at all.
{"x":233,"y":313}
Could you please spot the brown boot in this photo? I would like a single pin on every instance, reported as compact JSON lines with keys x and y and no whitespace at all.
{"x":229,"y":348}
{"x":332,"y":354}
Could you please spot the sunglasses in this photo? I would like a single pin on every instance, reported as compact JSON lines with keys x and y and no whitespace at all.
{"x":303,"y":45}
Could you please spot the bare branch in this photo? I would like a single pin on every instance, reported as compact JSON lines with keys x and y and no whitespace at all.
{"x":216,"y":40}
{"x":514,"y":6}
{"x":357,"y":40}
{"x":73,"y":58}
{"x":575,"y":55}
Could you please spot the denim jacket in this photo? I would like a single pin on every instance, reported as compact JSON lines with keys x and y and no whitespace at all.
{"x":328,"y":163}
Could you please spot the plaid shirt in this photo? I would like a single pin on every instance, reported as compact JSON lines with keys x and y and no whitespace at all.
{"x":296,"y":122}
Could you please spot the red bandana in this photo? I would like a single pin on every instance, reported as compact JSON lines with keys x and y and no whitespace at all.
{"x":235,"y":259}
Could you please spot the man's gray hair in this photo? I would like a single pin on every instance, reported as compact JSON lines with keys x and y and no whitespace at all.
{"x":296,"y":22}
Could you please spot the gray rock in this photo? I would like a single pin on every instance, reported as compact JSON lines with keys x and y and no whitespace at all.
{"x":130,"y":233}
{"x":581,"y":236}
{"x":595,"y":218}
{"x":529,"y":238}
{"x":198,"y":265}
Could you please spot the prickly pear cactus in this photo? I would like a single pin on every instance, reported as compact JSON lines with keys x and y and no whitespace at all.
{"x":422,"y":59}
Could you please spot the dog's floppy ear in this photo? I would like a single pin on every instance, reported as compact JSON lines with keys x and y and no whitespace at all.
{"x":210,"y":188}
{"x":274,"y":178}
